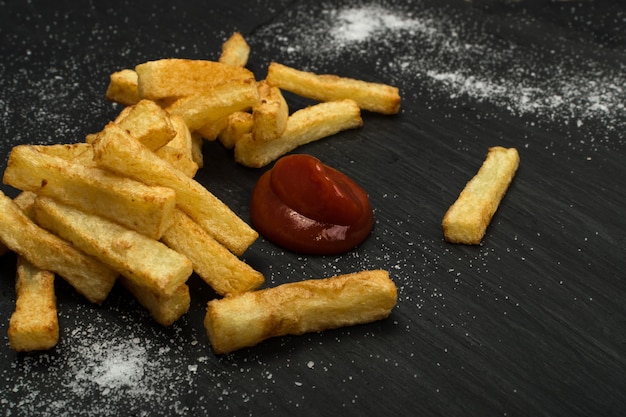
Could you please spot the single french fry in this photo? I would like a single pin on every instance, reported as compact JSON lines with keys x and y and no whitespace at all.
{"x":146,"y":261}
{"x":174,"y":78}
{"x":296,"y":308}
{"x":148,"y":123}
{"x":179,"y":151}
{"x":114,"y":151}
{"x":164,"y":309}
{"x":303,"y":126}
{"x":202,"y":109}
{"x":34,"y":324}
{"x":235,"y":51}
{"x":270,"y":115}
{"x":146,"y":209}
{"x":216,"y":265}
{"x":123,"y":87}
{"x":467,"y":219}
{"x":375,"y":97}
{"x":90,"y":277}
{"x":239,"y":123}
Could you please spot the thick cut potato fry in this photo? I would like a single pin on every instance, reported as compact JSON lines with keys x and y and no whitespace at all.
{"x":211,"y":131}
{"x":235,"y":51}
{"x":270,"y":115}
{"x":296,"y":308}
{"x":123,"y":87}
{"x":34,"y":324}
{"x":467,"y":219}
{"x":146,"y":209}
{"x":375,"y":97}
{"x":164,"y":309}
{"x":216,"y":265}
{"x":196,"y":149}
{"x":210,"y":106}
{"x":239,"y":124}
{"x":303,"y":126}
{"x":179,"y":151}
{"x":174,"y":78}
{"x":90,"y":277}
{"x":148,"y":262}
{"x":114,"y":151}
{"x":148,"y":123}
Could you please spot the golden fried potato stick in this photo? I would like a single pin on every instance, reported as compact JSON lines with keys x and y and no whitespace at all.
{"x":196,"y":149}
{"x":123,"y":88}
{"x":179,"y":151}
{"x":235,"y":51}
{"x":208,"y":107}
{"x":374,"y":97}
{"x":90,"y":277}
{"x":239,"y":123}
{"x":303,"y":126}
{"x":211,"y":130}
{"x":146,"y":209}
{"x":164,"y":309}
{"x":145,"y":261}
{"x":296,"y":308}
{"x":270,"y":115}
{"x":216,"y":265}
{"x":148,"y":123}
{"x":467,"y":219}
{"x":34,"y":324}
{"x":174,"y":77}
{"x":114,"y":151}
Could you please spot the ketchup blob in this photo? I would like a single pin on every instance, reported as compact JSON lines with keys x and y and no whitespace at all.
{"x":308,"y":207}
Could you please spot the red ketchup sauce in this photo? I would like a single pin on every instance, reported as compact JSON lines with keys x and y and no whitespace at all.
{"x":307,"y":207}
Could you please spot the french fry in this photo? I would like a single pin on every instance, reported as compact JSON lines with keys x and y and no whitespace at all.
{"x":211,"y":130}
{"x":164,"y":309}
{"x":90,"y":277}
{"x":202,"y":109}
{"x":296,"y":308}
{"x":179,"y":151}
{"x":146,"y":209}
{"x":216,"y":265}
{"x":235,"y":51}
{"x":375,"y":97}
{"x":239,"y":123}
{"x":123,"y":87}
{"x":174,"y":78}
{"x":467,"y":219}
{"x":113,"y":150}
{"x":145,"y":261}
{"x":270,"y":115}
{"x":303,"y":126}
{"x":34,"y":324}
{"x":148,"y":123}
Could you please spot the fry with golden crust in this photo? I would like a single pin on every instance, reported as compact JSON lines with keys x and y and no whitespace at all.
{"x":48,"y":252}
{"x":375,"y":97}
{"x":34,"y":324}
{"x":239,"y":124}
{"x":235,"y":51}
{"x":210,"y":106}
{"x":123,"y":87}
{"x":216,"y":265}
{"x":146,"y":209}
{"x":164,"y":309}
{"x":146,"y":261}
{"x":115,"y":151}
{"x":179,"y":151}
{"x":303,"y":126}
{"x":467,"y":219}
{"x":295,"y":308}
{"x":174,"y":77}
{"x":148,"y":123}
{"x":270,"y":115}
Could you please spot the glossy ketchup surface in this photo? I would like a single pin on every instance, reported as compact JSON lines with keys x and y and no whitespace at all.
{"x":308,"y":207}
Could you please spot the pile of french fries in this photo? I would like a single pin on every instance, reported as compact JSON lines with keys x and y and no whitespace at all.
{"x":123,"y":205}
